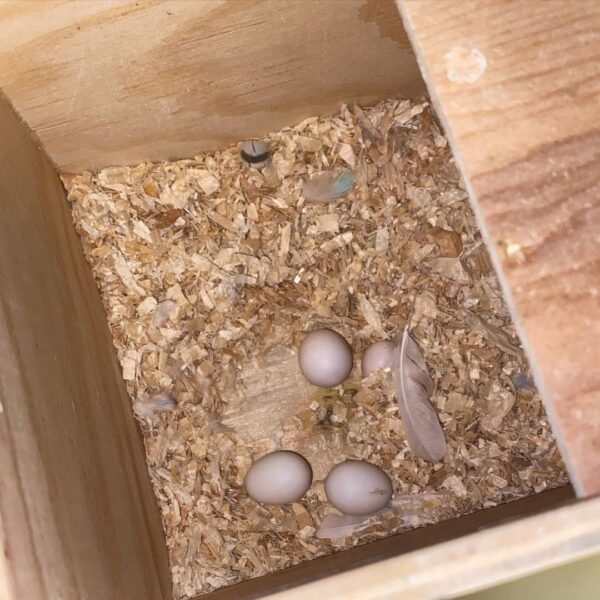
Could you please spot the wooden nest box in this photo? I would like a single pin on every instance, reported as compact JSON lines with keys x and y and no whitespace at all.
{"x":86,"y":85}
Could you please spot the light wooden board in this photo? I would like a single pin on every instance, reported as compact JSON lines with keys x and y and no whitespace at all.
{"x":468,"y":563}
{"x":322,"y":571}
{"x":78,"y":519}
{"x":517,"y":85}
{"x":105,"y":82}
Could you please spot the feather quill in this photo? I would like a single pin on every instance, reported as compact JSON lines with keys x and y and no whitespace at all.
{"x":402,"y":511}
{"x":334,"y":526}
{"x":424,"y":432}
{"x":328,"y":185}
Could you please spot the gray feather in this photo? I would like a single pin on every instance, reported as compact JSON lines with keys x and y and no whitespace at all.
{"x":413,"y":387}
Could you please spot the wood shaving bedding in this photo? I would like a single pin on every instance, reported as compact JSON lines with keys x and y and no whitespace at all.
{"x":210,"y":271}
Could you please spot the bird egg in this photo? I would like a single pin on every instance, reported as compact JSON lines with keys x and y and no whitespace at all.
{"x":278,"y":478}
{"x":357,"y":487}
{"x":379,"y":355}
{"x":325,"y":358}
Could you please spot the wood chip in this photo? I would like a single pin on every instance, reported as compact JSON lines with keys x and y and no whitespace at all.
{"x":329,"y":223}
{"x":347,"y":155}
{"x":371,"y":315}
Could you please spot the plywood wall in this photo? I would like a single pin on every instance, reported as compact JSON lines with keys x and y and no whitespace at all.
{"x":78,"y":519}
{"x":106,"y":82}
{"x":517,"y":85}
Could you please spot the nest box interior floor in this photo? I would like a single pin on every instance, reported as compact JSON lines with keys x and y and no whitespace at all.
{"x":210,"y":272}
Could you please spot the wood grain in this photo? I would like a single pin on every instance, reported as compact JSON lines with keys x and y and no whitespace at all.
{"x":78,"y":518}
{"x":399,"y":566}
{"x":271,"y":409}
{"x":517,"y":85}
{"x":104,"y":82}
{"x":270,"y":395}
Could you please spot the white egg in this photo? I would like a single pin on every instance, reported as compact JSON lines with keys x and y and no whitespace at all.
{"x":357,"y":487}
{"x":278,"y":478}
{"x":325,"y":358}
{"x":379,"y":355}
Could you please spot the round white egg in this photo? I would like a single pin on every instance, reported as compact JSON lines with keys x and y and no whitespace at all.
{"x":357,"y":487}
{"x":379,"y":355}
{"x":278,"y":478}
{"x":325,"y":358}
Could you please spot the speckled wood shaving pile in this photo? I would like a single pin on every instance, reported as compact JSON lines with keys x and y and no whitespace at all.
{"x":210,"y":271}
